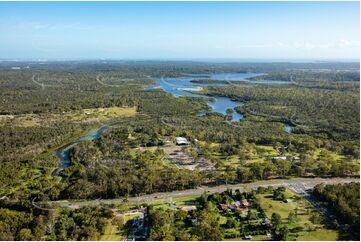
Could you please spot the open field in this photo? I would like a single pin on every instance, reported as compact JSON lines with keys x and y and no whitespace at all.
{"x":111,"y":233}
{"x":304,"y":210}
{"x":82,"y":116}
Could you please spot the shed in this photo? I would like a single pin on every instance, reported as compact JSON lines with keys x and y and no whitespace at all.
{"x":181,"y":141}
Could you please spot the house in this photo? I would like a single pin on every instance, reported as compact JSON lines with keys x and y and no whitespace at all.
{"x":244,"y":203}
{"x":237,"y":203}
{"x":266,"y":221}
{"x":188,"y":208}
{"x":181,"y":141}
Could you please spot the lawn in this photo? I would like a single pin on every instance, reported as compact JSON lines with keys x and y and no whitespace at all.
{"x":272,"y":206}
{"x":180,"y":201}
{"x":304,"y":212}
{"x":261,"y":152}
{"x":111,"y":233}
{"x":319,"y":234}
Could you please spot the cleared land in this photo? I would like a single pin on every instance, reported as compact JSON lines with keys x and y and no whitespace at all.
{"x":304,"y":211}
{"x":83,"y":116}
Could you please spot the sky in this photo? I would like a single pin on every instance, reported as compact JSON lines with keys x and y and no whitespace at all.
{"x":180,"y":30}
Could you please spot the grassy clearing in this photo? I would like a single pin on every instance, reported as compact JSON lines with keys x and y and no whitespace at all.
{"x":82,"y":116}
{"x":111,"y":233}
{"x":318,"y":234}
{"x":103,"y":114}
{"x":271,"y":206}
{"x":304,"y":210}
{"x":258,"y":154}
{"x":180,"y":201}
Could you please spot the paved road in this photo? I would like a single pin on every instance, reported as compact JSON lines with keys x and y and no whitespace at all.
{"x":299,"y":186}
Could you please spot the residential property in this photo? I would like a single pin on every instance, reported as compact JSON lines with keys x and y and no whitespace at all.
{"x":244,"y":203}
{"x":223,"y":207}
{"x":188,"y":208}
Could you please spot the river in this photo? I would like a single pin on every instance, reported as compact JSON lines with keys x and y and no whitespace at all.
{"x":178,"y":86}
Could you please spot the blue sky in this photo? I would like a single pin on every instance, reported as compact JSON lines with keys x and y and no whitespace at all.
{"x":180,"y":30}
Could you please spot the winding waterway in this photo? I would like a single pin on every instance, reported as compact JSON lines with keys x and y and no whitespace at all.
{"x":178,"y":86}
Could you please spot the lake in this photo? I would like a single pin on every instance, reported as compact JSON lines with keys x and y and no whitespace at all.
{"x":180,"y":86}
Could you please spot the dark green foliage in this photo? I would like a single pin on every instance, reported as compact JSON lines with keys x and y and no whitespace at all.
{"x":20,"y":222}
{"x":344,"y":201}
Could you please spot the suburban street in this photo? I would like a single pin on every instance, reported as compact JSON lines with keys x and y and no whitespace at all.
{"x":299,"y":186}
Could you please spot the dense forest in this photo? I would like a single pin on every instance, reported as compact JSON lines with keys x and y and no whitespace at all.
{"x":19,"y":221}
{"x":344,"y":201}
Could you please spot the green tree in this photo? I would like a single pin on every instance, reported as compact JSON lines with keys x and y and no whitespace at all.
{"x":292,"y":217}
{"x":276,"y":219}
{"x":207,"y":226}
{"x":25,"y":234}
{"x":283,"y":233}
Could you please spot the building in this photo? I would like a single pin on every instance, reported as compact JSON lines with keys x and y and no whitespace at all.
{"x":244,"y":203}
{"x":188,"y":208}
{"x":266,"y":221}
{"x":283,"y":157}
{"x":237,"y":203}
{"x":296,"y":158}
{"x":181,"y":141}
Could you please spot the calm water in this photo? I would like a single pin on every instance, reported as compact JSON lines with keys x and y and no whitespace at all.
{"x":221,"y":104}
{"x":64,"y":153}
{"x":179,"y":86}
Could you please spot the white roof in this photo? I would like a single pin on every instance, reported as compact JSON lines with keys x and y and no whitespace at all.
{"x":181,"y":140}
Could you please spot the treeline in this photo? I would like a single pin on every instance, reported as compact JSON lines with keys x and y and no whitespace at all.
{"x":312,"y":76}
{"x":344,"y":201}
